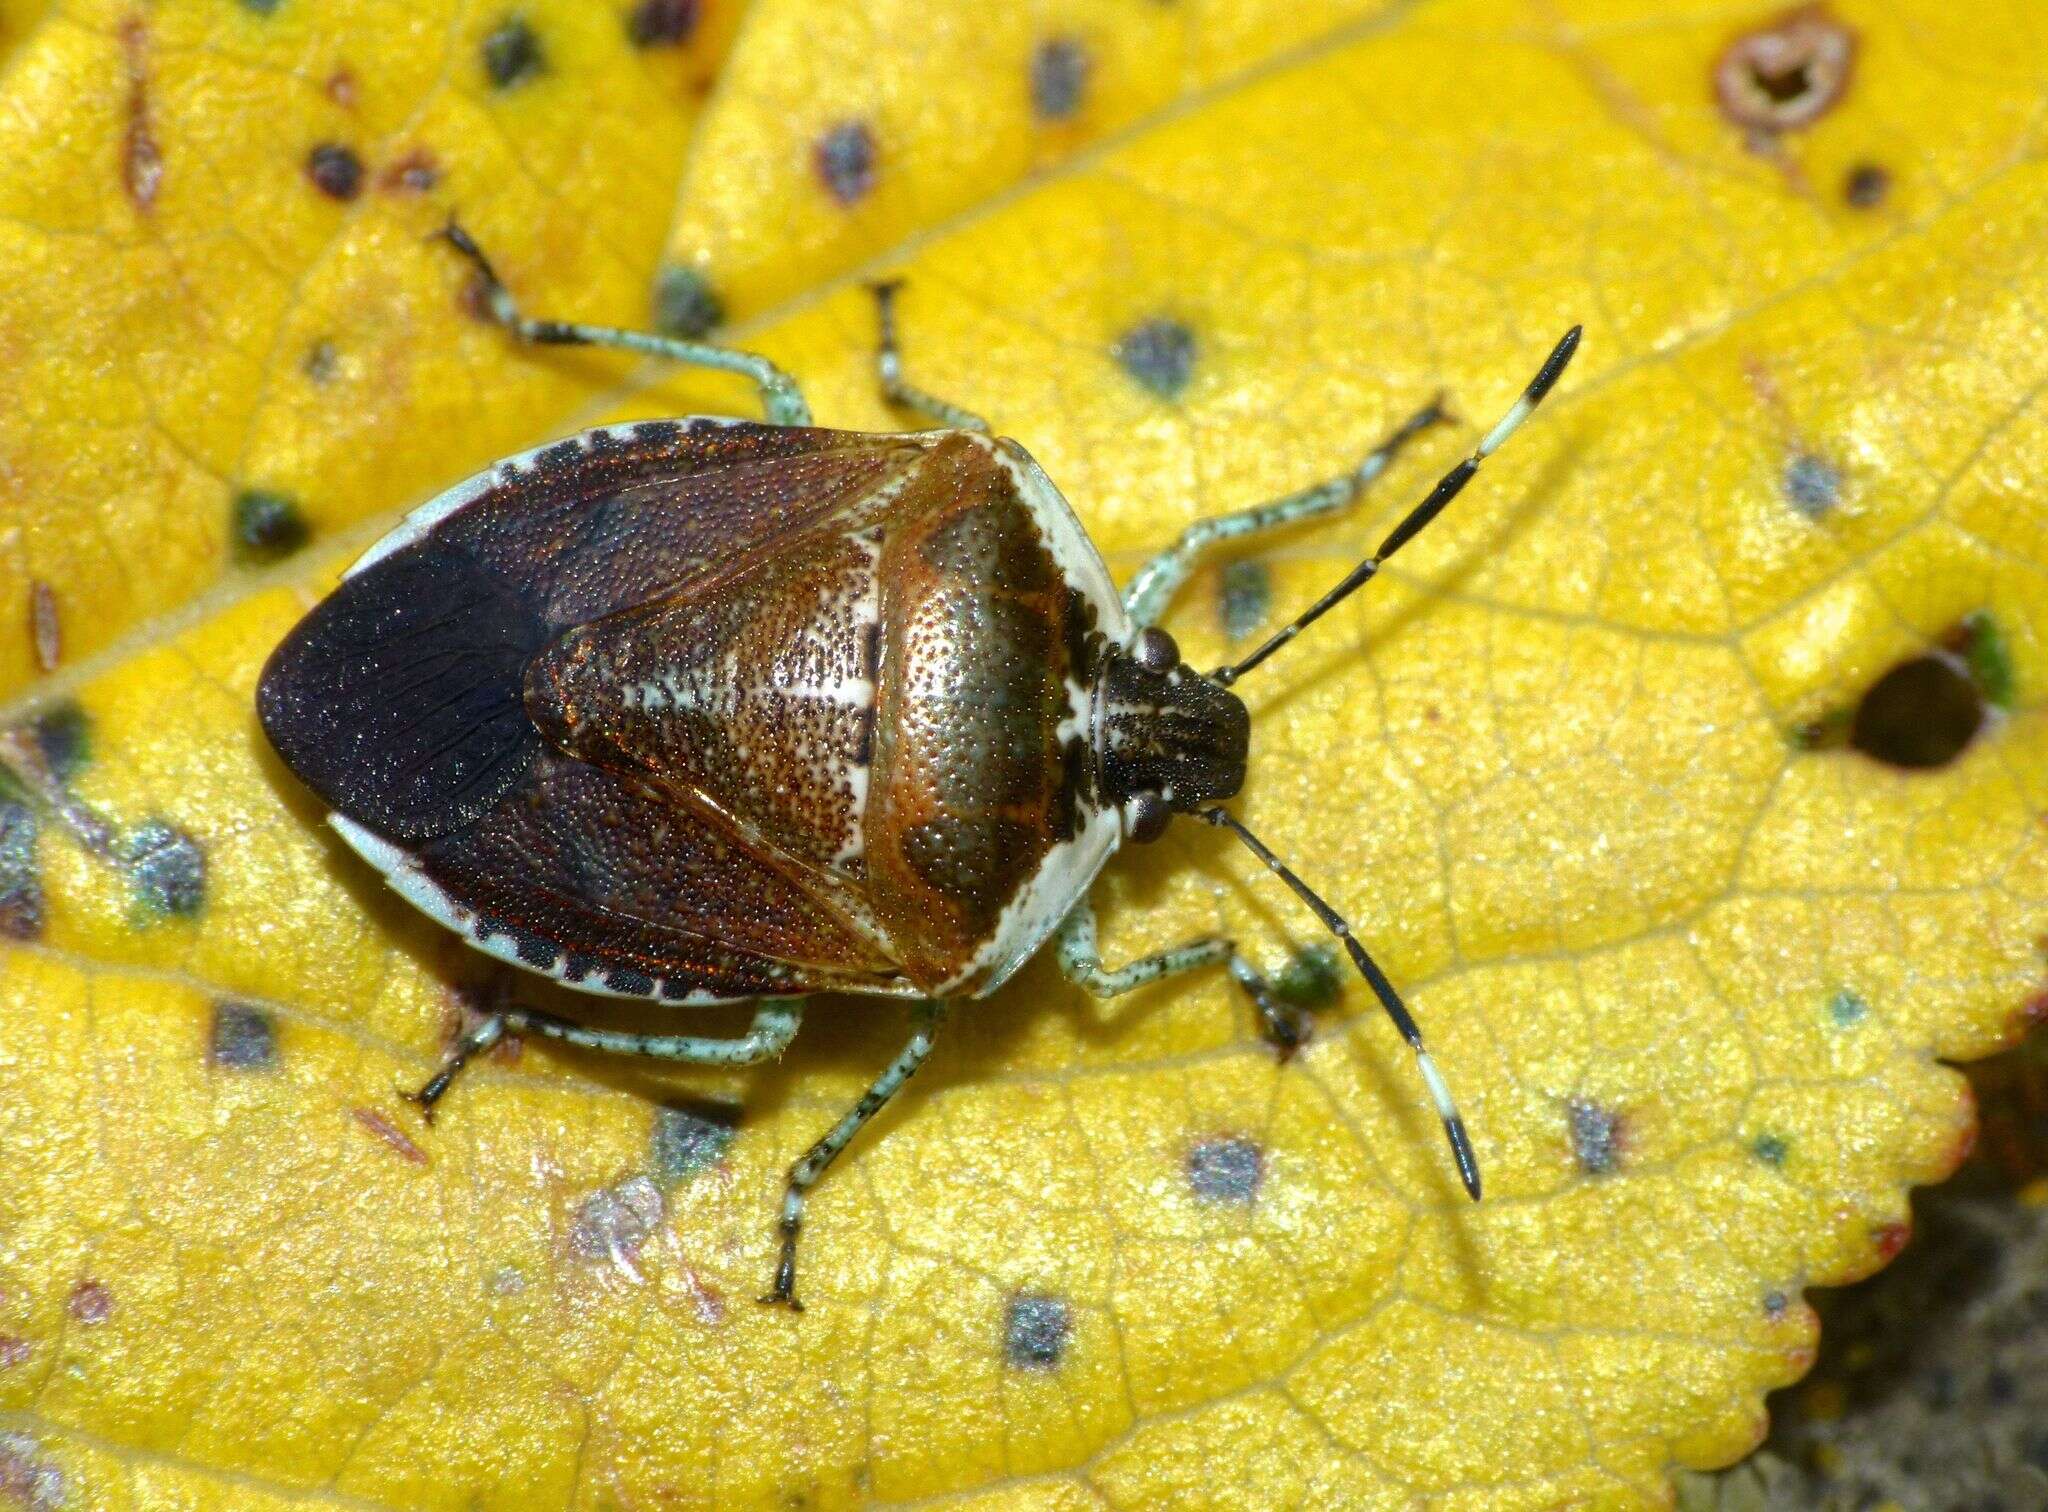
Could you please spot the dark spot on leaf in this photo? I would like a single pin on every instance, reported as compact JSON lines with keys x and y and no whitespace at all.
{"x":685,"y":304}
{"x":27,"y":1480}
{"x":1059,"y":78}
{"x":262,"y":7}
{"x":335,"y":170}
{"x":166,"y":869}
{"x":845,"y":160}
{"x":689,"y":1138}
{"x":1823,"y":733}
{"x":1919,"y":715}
{"x":267,"y":525}
{"x":1847,"y":1009}
{"x":45,"y":631}
{"x":1985,"y":651}
{"x":21,"y":883}
{"x":1866,"y":186}
{"x":1245,"y":596}
{"x":1813,"y":484}
{"x":512,"y":53}
{"x":321,"y":361}
{"x":413,"y":173}
{"x":1036,"y":1329}
{"x":244,"y":1039}
{"x":662,"y":23}
{"x":1771,"y":1149}
{"x":1597,"y":1136}
{"x":341,"y":87}
{"x":14,"y":1351}
{"x":63,"y":735}
{"x":1159,"y":353}
{"x":90,"y":1302}
{"x":617,"y":1220}
{"x":1787,"y":73}
{"x":1226,"y":1169}
{"x":1312,"y":980}
{"x":1775,"y":1305}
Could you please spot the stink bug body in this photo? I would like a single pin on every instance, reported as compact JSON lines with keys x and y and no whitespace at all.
{"x":705,"y":710}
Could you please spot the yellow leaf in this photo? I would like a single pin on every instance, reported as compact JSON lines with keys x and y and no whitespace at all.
{"x":1577,"y":767}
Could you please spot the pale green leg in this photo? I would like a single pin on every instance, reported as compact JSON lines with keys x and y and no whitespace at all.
{"x":889,"y":367}
{"x":804,"y":1174}
{"x":775,"y":1025}
{"x":1155,"y":584}
{"x":780,"y":397}
{"x":1282,"y":1024}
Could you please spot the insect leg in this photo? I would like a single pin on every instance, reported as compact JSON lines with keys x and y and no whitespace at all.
{"x":1283,"y":1025}
{"x":779,"y":394}
{"x":805,"y":1173}
{"x":775,"y":1025}
{"x":1153,"y":586}
{"x":889,"y":368}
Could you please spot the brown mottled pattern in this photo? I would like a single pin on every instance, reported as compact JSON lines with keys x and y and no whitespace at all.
{"x":973,"y":687}
{"x":749,"y":693}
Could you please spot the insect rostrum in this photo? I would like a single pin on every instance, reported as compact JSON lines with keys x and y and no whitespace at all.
{"x":704,"y":710}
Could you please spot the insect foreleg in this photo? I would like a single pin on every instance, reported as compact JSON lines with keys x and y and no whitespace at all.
{"x":805,"y":1173}
{"x":780,"y":397}
{"x":775,"y":1025}
{"x":889,"y":369}
{"x":1284,"y":1025}
{"x":1153,"y":586}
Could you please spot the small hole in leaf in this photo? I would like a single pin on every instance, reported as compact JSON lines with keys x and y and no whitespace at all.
{"x":1920,"y":715}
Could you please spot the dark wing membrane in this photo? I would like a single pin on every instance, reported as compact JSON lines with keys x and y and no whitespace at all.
{"x":619,"y":879}
{"x":615,"y":518}
{"x":399,"y":698}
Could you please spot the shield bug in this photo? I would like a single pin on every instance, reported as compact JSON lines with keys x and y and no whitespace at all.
{"x":709,"y":710}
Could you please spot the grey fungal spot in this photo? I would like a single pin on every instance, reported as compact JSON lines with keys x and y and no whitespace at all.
{"x":1059,"y":78}
{"x":690,"y":1138}
{"x":512,"y":53}
{"x":1813,"y":484}
{"x":615,"y":1221}
{"x":266,"y":525}
{"x":1036,"y":1329}
{"x":63,"y":735}
{"x":1160,"y":354}
{"x":321,"y":361}
{"x":1847,"y":1009}
{"x":1920,"y":715}
{"x":685,"y":304}
{"x":662,"y":23}
{"x":166,"y":869}
{"x":1866,"y":186}
{"x":845,"y":159}
{"x":1227,"y":1169}
{"x":1596,"y":1136}
{"x":1771,"y":1149}
{"x":21,"y":882}
{"x":90,"y":1303}
{"x":1246,"y":595}
{"x":27,"y":1480}
{"x":243,"y":1039}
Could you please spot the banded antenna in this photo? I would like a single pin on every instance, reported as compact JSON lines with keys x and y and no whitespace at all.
{"x":1447,"y":489}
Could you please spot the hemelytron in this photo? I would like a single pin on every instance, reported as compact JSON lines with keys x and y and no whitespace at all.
{"x":706,"y":710}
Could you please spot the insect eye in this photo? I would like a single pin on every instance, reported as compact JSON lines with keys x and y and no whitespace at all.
{"x":1145,"y":817}
{"x":1155,"y":651}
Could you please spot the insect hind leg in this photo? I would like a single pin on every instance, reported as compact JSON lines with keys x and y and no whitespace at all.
{"x":775,"y":1025}
{"x":1153,"y":586}
{"x":783,"y":402}
{"x":1283,"y":1025}
{"x":889,"y":369}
